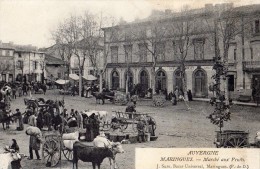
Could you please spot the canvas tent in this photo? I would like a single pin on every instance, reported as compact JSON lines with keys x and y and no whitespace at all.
{"x":62,"y":82}
{"x":90,"y":77}
{"x":74,"y":76}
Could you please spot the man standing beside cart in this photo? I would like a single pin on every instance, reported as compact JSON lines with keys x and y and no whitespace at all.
{"x":141,"y":130}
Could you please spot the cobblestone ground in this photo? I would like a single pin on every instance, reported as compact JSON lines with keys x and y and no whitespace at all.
{"x":176,"y":127}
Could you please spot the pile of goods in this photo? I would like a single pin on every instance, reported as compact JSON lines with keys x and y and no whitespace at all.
{"x":69,"y":139}
{"x":33,"y":131}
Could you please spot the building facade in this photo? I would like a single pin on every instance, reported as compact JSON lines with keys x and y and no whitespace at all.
{"x":135,"y":56}
{"x":54,"y":67}
{"x":27,"y":63}
{"x":73,"y":62}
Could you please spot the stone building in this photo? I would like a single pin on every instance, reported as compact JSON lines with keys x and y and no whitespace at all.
{"x":129,"y":54}
{"x":88,"y":68}
{"x":55,"y":68}
{"x":25,"y":63}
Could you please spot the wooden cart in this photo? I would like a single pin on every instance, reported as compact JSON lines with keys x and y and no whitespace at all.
{"x":52,"y":149}
{"x":232,"y":139}
{"x":127,"y":118}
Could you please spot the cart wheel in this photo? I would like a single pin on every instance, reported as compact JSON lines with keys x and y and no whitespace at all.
{"x":123,"y":125}
{"x":106,"y":126}
{"x":236,"y":142}
{"x":68,"y":154}
{"x":51,"y":152}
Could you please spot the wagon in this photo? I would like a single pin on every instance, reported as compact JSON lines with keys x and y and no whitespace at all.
{"x":128,"y":118}
{"x":52,"y":149}
{"x":232,"y":139}
{"x":118,"y":98}
{"x":35,"y":103}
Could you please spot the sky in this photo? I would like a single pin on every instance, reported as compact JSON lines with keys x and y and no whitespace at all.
{"x":31,"y":21}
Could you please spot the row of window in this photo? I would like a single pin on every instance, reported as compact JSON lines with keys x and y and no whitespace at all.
{"x":4,"y":77}
{"x":20,"y":64}
{"x":200,"y":80}
{"x":159,"y":50}
{"x":5,"y":52}
{"x":251,"y":54}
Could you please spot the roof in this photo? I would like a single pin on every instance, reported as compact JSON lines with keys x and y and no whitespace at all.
{"x":50,"y":60}
{"x":192,"y":13}
{"x":19,"y":48}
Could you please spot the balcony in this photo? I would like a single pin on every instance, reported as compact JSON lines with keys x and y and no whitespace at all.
{"x":251,"y":66}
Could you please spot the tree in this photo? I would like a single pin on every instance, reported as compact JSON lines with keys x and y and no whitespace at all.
{"x":62,"y":36}
{"x":152,"y":37}
{"x":77,"y":36}
{"x":182,"y":30}
{"x":227,"y":25}
{"x":99,"y":50}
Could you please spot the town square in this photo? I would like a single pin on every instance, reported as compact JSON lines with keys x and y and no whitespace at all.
{"x":99,"y":79}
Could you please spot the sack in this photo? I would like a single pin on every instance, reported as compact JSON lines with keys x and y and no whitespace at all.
{"x":33,"y":131}
{"x":71,"y":136}
{"x":69,"y":144}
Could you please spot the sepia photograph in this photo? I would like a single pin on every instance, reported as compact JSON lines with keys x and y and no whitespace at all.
{"x":129,"y":84}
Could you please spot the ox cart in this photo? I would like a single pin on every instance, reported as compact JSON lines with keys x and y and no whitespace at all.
{"x":55,"y":145}
{"x":125,"y":119}
{"x":234,"y":139}
{"x":117,"y":98}
{"x":114,"y":97}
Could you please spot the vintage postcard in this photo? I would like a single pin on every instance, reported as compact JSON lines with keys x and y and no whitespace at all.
{"x":130,"y":84}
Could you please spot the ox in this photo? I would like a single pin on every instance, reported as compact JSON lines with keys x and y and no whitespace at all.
{"x":96,"y":155}
{"x":102,"y":141}
{"x":102,"y":115}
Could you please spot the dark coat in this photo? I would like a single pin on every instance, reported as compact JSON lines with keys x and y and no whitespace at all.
{"x":35,"y":142}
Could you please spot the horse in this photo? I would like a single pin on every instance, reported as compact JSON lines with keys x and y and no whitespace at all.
{"x":99,"y":96}
{"x":105,"y":94}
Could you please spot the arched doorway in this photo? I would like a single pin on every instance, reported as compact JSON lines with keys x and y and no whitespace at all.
{"x":160,"y":81}
{"x":178,"y":80}
{"x":115,"y":80}
{"x":130,"y":80}
{"x":144,"y":80}
{"x":200,"y":80}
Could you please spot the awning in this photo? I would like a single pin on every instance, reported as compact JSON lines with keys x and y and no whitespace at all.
{"x":74,"y":76}
{"x":62,"y":82}
{"x":90,"y":77}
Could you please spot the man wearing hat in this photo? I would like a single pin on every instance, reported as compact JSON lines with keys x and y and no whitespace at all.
{"x":141,"y":130}
{"x":20,"y":120}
